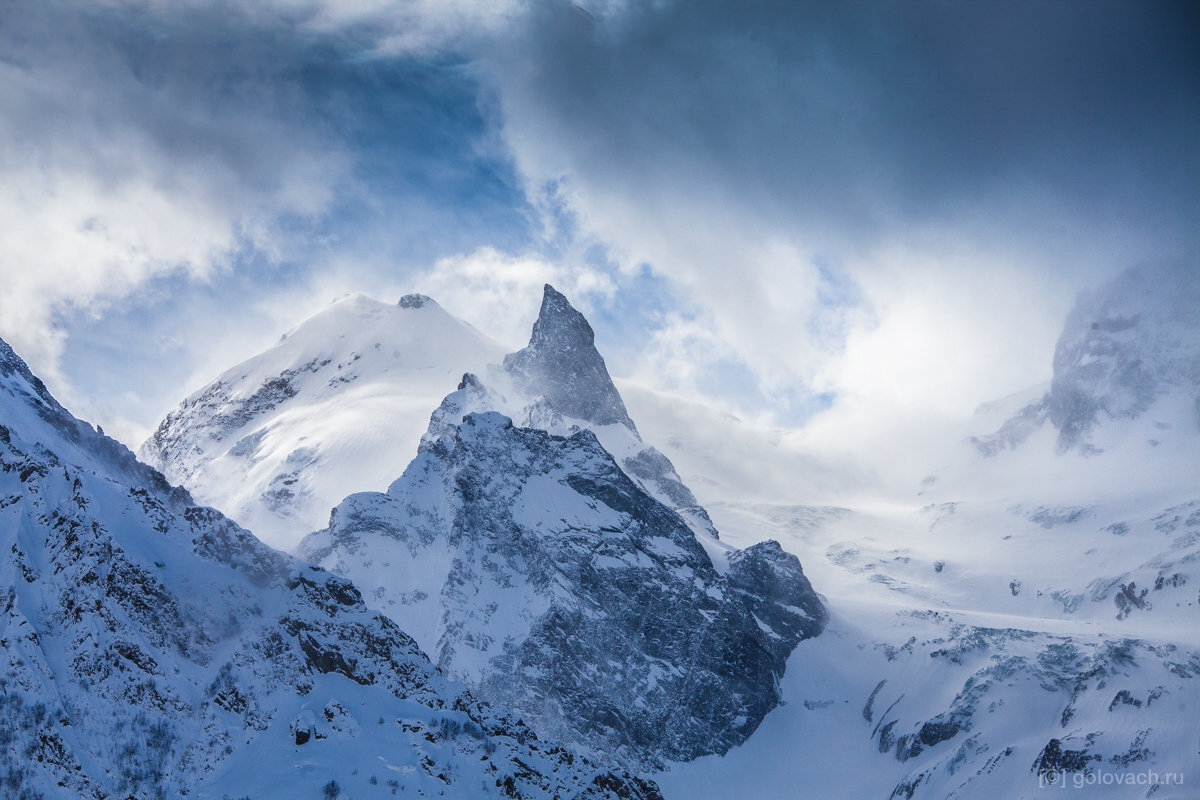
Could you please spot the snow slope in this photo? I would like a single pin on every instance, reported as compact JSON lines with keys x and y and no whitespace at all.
{"x":153,"y":649}
{"x":1028,"y":618}
{"x":337,"y":406}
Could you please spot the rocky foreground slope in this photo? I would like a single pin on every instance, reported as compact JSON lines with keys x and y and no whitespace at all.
{"x":151,"y":648}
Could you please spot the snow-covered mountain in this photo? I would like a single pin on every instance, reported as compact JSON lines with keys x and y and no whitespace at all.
{"x":549,"y":564}
{"x":153,"y":649}
{"x":1029,"y":618}
{"x":1128,"y":348}
{"x":340,"y":403}
{"x":1025,"y":618}
{"x":337,"y":406}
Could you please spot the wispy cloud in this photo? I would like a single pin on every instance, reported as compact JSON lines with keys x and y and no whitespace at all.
{"x":130,"y":154}
{"x":776,"y":207}
{"x":964,"y":169}
{"x":215,"y":167}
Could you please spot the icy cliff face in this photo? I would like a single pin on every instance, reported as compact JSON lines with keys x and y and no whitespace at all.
{"x":152,"y":649}
{"x":336,"y":406}
{"x":1126,"y":348}
{"x":559,"y":588}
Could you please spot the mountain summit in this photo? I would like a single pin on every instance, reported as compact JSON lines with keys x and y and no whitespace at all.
{"x":536,"y":545}
{"x":336,"y":406}
{"x":539,"y":573}
{"x":562,"y":364}
{"x":1128,"y":350}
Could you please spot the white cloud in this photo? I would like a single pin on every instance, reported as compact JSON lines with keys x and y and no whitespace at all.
{"x":904,"y":250}
{"x":113,"y":176}
{"x":907,"y":251}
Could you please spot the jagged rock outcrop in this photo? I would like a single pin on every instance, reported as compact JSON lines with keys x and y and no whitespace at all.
{"x":562,"y":365}
{"x":561,"y":589}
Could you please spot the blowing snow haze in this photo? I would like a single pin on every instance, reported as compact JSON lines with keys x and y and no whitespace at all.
{"x":846,"y":436}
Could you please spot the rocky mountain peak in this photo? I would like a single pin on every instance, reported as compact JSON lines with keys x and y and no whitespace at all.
{"x":417,"y":301}
{"x":1126,"y":347}
{"x":558,"y":319}
{"x":532,"y":567}
{"x":562,"y":364}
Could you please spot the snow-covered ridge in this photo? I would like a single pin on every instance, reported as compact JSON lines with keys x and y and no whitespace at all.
{"x":152,"y":649}
{"x":336,"y":406}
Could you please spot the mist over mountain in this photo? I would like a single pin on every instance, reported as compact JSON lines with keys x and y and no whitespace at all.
{"x":1025,"y":618}
{"x":336,"y":406}
{"x":1128,"y":348}
{"x":683,"y":400}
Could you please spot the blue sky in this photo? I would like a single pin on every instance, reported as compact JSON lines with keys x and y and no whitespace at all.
{"x":872,"y":209}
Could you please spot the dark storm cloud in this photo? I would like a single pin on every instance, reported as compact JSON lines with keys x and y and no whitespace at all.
{"x":249,"y":94}
{"x":868,"y":114}
{"x":965,"y":168}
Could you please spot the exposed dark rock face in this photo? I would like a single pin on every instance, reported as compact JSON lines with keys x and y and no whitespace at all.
{"x":562,"y":364}
{"x":621,"y":634}
{"x":1055,"y":758}
{"x":416,"y":301}
{"x":773,"y":584}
